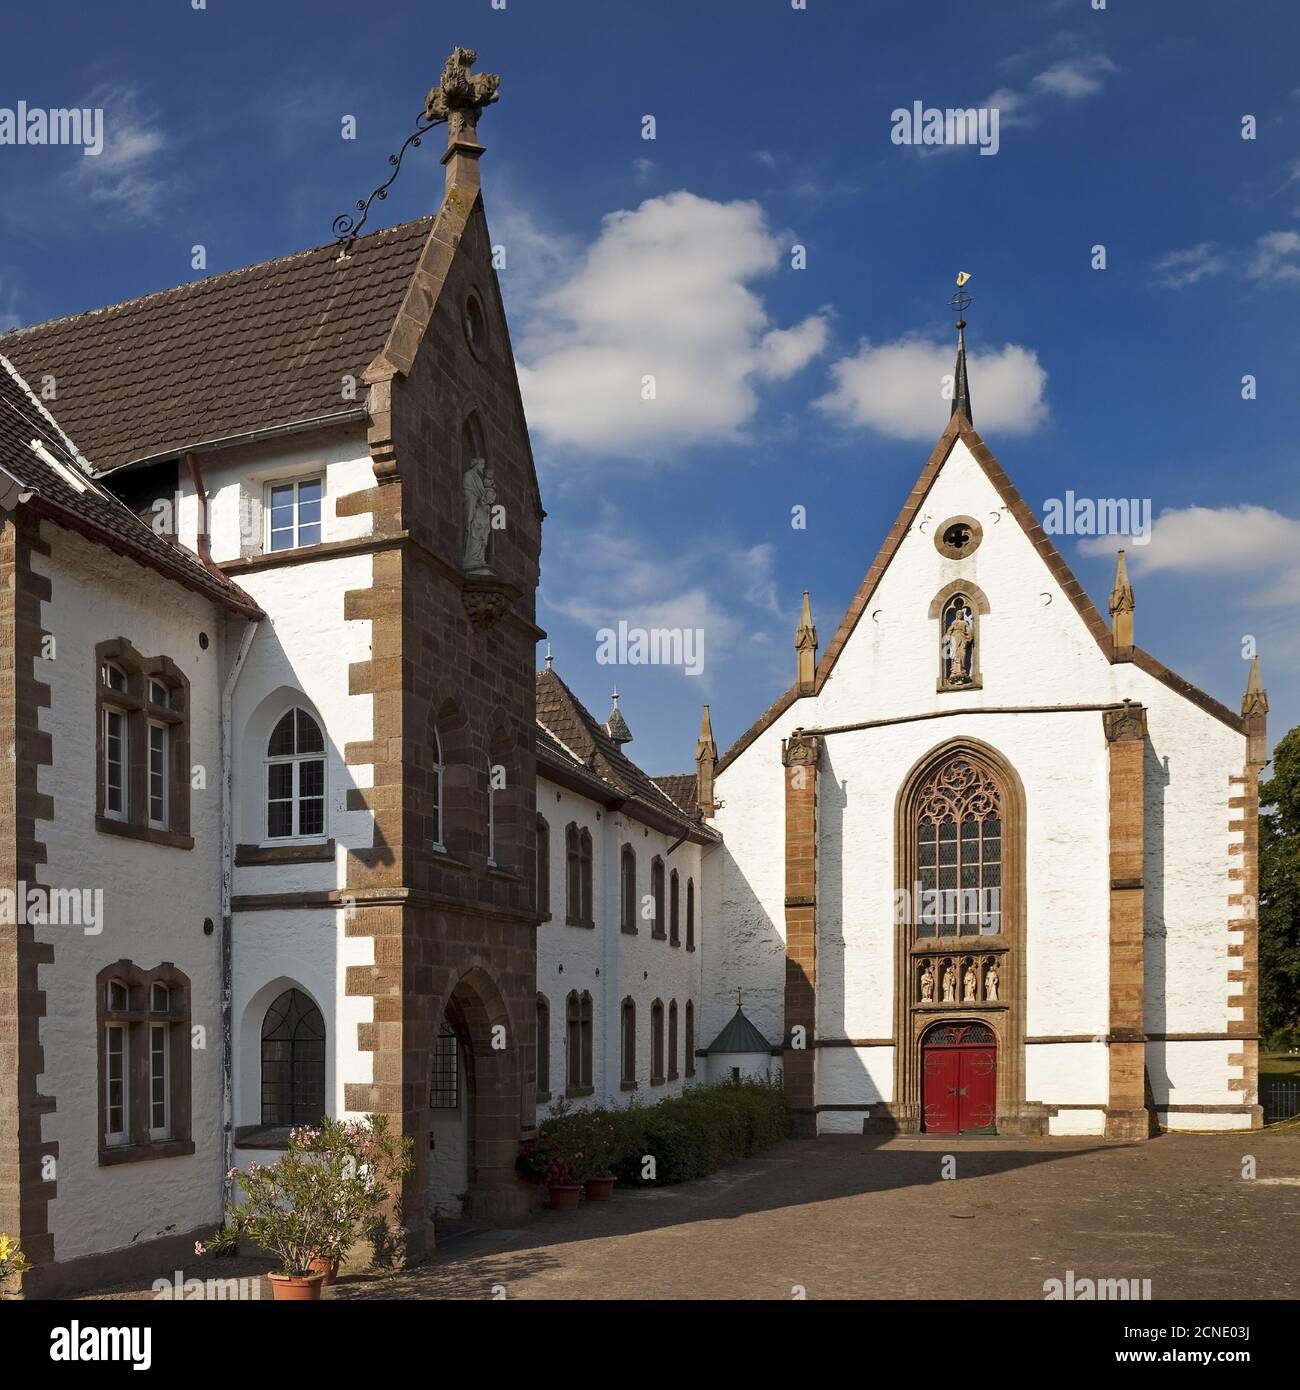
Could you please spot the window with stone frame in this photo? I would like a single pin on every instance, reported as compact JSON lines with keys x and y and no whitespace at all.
{"x":293,"y":513}
{"x":674,"y":911}
{"x":957,"y":825}
{"x":690,"y":914}
{"x":627,"y":1038}
{"x":657,"y":1043}
{"x":435,"y":788}
{"x":543,"y":869}
{"x":142,"y":746}
{"x":578,"y":1043}
{"x":658,"y":927}
{"x":689,"y":1040}
{"x":543,"y":1047}
{"x":293,"y":1061}
{"x":627,"y":890}
{"x":143,"y":1025}
{"x":577,"y":876}
{"x":672,"y":1040}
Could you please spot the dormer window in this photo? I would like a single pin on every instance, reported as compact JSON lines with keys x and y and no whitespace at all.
{"x":293,"y":513}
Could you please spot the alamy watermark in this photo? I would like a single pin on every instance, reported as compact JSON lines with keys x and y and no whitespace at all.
{"x":53,"y":907}
{"x":932,"y":125}
{"x":1100,"y":516}
{"x":57,"y":125}
{"x":653,"y":646}
{"x":1076,"y":1290}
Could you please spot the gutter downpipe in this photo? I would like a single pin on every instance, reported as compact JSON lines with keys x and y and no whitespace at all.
{"x":227,"y":933}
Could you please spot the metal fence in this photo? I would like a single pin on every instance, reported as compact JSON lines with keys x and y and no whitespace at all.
{"x":1280,"y":1097}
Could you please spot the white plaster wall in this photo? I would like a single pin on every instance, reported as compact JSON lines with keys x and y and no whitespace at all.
{"x":888,"y":670}
{"x":1068,"y":1073}
{"x":155,"y":897}
{"x":749,"y":1065}
{"x":608,"y":963}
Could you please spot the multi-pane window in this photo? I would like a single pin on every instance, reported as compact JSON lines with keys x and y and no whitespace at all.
{"x":627,"y":1022}
{"x":688,"y":1041}
{"x":672,"y":1041}
{"x":293,"y":514}
{"x":627,"y":889}
{"x":578,"y":1040}
{"x":656,"y":1042}
{"x":657,"y":893}
{"x":674,"y":911}
{"x":293,"y":1061}
{"x":543,"y":1045}
{"x":444,"y":1080}
{"x":958,"y":830}
{"x":543,"y":869}
{"x":144,"y":1061}
{"x":159,"y":1064}
{"x":295,"y":778}
{"x":577,"y":876}
{"x":157,"y":774}
{"x":690,"y":914}
{"x":113,"y":678}
{"x":116,"y":1068}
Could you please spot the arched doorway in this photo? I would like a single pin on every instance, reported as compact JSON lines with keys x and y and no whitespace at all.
{"x":959,"y":1070}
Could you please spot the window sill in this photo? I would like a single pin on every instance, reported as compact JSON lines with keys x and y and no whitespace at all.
{"x":444,"y":856}
{"x":111,"y":1155}
{"x":317,"y":852}
{"x":496,"y":871}
{"x":657,"y":1080}
{"x":262,"y":1137}
{"x":627,"y":1085}
{"x":629,"y":931}
{"x":130,"y":831}
{"x":658,"y":936}
{"x":579,"y":922}
{"x":578,"y":1092}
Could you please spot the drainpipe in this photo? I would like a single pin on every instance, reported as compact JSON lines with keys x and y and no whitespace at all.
{"x":227,"y":934}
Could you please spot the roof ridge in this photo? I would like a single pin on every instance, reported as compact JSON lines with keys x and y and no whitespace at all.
{"x":13,"y":334}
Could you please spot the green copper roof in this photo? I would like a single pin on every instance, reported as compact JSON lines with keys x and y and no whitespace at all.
{"x":740,"y":1035}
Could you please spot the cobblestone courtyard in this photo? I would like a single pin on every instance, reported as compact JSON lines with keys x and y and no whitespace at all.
{"x":856,"y":1218}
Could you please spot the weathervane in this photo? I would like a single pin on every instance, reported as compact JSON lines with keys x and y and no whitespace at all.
{"x":457,"y":102}
{"x":961,"y":301}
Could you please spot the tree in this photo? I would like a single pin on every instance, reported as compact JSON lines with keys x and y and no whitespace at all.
{"x":1279,"y":890}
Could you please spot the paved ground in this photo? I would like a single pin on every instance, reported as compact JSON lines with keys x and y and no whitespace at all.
{"x":859,"y":1218}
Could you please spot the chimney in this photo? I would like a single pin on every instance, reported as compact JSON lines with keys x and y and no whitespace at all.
{"x":706,"y":757}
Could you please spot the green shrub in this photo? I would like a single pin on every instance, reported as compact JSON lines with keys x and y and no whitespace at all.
{"x":689,"y":1136}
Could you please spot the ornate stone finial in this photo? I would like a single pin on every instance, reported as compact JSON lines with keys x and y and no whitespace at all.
{"x":805,"y":645}
{"x":706,"y":757}
{"x":460,"y":97}
{"x":1255,"y":700}
{"x":959,"y":303}
{"x":616,"y":725}
{"x":1121,"y":608}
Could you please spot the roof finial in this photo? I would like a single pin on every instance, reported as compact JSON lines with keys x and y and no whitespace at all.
{"x":616,"y":725}
{"x":959,"y":303}
{"x":805,"y":645}
{"x":1121,"y":609}
{"x":550,"y":660}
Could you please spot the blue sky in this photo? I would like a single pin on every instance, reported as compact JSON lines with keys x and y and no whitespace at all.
{"x":779,"y":387}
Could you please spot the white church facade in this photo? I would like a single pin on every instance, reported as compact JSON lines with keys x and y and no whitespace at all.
{"x":269,"y":561}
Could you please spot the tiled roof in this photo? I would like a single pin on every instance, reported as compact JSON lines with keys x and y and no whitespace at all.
{"x":572,"y":732}
{"x":265,"y":345}
{"x":681,"y":787}
{"x":94,"y":512}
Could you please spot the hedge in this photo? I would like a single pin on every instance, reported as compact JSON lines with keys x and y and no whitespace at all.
{"x":689,"y":1136}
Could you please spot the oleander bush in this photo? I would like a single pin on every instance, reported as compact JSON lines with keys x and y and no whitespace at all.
{"x":688,"y":1136}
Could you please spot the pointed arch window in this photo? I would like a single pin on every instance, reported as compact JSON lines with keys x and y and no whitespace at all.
{"x":293,"y":1061}
{"x":689,"y":1040}
{"x":627,"y":889}
{"x":674,"y":911}
{"x":672,"y":1040}
{"x":435,"y":789}
{"x":627,"y":1028}
{"x":543,"y":1046}
{"x":657,"y":894}
{"x":958,"y":829}
{"x":295,"y":778}
{"x":690,"y":914}
{"x":578,"y":1043}
{"x":657,"y":1043}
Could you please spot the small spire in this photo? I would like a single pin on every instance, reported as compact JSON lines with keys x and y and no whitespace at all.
{"x":706,"y":755}
{"x":961,"y":385}
{"x":805,"y":645}
{"x":616,"y":725}
{"x":550,"y":660}
{"x":1122,"y":604}
{"x":1255,"y":700}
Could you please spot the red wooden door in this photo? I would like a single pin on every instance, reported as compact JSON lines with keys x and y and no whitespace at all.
{"x":939,"y":1086}
{"x":976,"y":1088}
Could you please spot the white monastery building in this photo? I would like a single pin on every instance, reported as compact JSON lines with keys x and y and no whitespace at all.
{"x":292,"y":825}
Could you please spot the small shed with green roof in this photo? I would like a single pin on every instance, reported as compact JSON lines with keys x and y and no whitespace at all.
{"x":739,"y":1051}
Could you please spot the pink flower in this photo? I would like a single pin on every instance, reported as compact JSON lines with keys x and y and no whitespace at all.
{"x":198,"y":1247}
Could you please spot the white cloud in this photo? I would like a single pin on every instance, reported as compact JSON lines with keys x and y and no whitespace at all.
{"x":1277,"y":257}
{"x":663,"y":292}
{"x":1178,"y":268}
{"x":1072,"y":78}
{"x":1220,"y":540}
{"x":897,"y":389}
{"x":123,"y":178}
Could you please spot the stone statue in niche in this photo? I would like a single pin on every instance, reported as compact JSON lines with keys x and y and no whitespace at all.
{"x":480,"y":494}
{"x":969,"y":985}
{"x":927,"y":985}
{"x":958,"y":641}
{"x":991,"y":983}
{"x":949,"y":984}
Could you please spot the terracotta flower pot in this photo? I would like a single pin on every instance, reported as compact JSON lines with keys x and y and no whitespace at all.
{"x":599,"y":1189}
{"x":295,"y":1287}
{"x":329,"y":1267}
{"x":564,"y":1196}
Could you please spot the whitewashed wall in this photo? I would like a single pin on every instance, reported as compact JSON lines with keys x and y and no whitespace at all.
{"x":155,"y":897}
{"x":889,"y":669}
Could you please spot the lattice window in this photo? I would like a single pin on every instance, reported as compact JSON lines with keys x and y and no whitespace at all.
{"x":959,"y":851}
{"x":959,"y":1035}
{"x":444,"y":1083}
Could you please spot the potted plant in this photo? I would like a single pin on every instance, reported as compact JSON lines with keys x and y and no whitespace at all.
{"x":535,"y":1159}
{"x":12,"y":1260}
{"x":560,"y":1179}
{"x":595,"y":1137}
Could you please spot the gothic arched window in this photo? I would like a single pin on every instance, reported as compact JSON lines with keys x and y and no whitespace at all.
{"x":958,"y":828}
{"x":295,"y":778}
{"x":293,"y":1061}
